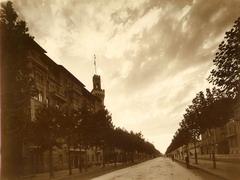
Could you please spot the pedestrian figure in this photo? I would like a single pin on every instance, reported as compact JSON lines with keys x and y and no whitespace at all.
{"x":172,"y":157}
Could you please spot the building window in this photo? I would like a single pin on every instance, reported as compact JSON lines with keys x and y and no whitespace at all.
{"x":40,"y":97}
{"x":35,"y":97}
{"x":47,"y":102}
{"x":38,"y":77}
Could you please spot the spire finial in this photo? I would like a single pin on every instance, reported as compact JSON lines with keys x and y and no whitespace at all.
{"x":95,"y":64}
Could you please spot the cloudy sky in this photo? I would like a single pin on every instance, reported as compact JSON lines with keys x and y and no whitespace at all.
{"x":153,"y":55}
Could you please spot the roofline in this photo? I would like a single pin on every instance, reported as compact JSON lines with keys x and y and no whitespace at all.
{"x":43,"y":51}
{"x":37,"y":46}
{"x":69,"y":73}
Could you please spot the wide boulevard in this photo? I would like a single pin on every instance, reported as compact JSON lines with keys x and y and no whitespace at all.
{"x":160,"y":169}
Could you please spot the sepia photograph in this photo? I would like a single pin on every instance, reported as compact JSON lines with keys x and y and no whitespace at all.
{"x":120,"y":89}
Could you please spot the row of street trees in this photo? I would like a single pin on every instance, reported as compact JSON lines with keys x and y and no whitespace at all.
{"x":83,"y":129}
{"x":214,"y":107}
{"x":53,"y":126}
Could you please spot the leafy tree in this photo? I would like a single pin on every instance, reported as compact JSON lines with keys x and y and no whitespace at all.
{"x":87,"y":127}
{"x":84,"y":119}
{"x":47,"y":129}
{"x":226,"y":73}
{"x":17,"y":88}
{"x":69,"y":123}
{"x":181,"y":137}
{"x":94,"y":128}
{"x":218,"y":109}
{"x":205,"y":113}
{"x":102,"y":129}
{"x":104,"y":125}
{"x":130,"y":142}
{"x":194,"y":119}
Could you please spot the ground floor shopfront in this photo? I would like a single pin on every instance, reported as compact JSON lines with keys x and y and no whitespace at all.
{"x":36,"y":160}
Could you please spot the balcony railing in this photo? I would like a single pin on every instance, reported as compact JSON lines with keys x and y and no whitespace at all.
{"x":232,"y":133}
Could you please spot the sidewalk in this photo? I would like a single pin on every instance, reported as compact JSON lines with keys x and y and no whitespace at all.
{"x":222,"y":157}
{"x":225,"y":170}
{"x":90,"y":173}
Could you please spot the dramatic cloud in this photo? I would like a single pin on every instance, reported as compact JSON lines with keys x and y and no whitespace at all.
{"x":153,"y":55}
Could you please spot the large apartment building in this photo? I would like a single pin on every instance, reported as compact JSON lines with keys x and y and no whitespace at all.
{"x":58,"y":87}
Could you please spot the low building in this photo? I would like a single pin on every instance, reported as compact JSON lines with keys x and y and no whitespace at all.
{"x":192,"y":148}
{"x":233,"y":136}
{"x":214,"y":138}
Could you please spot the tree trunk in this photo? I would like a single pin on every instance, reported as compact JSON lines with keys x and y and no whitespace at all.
{"x":86,"y":161}
{"x":132,"y":158}
{"x":213,"y":157}
{"x":187,"y":158}
{"x":69,"y":161}
{"x":103,"y":156}
{"x":80,"y":160}
{"x":125,"y":157}
{"x":195,"y":152}
{"x":51,"y":171}
{"x":115,"y":158}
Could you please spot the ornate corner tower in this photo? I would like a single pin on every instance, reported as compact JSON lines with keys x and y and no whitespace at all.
{"x":97,"y":90}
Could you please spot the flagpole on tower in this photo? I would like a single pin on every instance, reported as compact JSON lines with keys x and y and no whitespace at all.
{"x":95,"y":64}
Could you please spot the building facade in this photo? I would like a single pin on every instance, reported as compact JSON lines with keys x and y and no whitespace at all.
{"x":56,"y":86}
{"x":233,"y":136}
{"x":215,"y":139}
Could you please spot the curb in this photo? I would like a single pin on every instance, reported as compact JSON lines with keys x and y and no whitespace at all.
{"x":204,"y":170}
{"x":209,"y":172}
{"x":65,"y":174}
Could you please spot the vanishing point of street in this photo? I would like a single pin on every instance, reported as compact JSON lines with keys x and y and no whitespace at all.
{"x":161,"y":169}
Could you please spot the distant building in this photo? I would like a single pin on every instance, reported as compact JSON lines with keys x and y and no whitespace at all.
{"x":58,"y":87}
{"x":192,"y":148}
{"x":216,"y":137}
{"x":233,"y":136}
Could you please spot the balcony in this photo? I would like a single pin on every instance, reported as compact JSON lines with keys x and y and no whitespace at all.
{"x":232,"y":133}
{"x":231,"y":129}
{"x":58,"y":96}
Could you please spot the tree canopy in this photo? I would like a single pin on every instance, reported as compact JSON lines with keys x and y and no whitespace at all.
{"x":16,"y":87}
{"x":216,"y":106}
{"x":208,"y":110}
{"x":226,"y":72}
